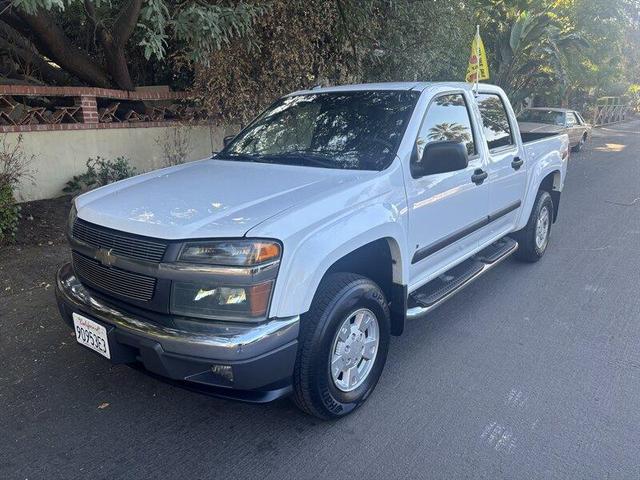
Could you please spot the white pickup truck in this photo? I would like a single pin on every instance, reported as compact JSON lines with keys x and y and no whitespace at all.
{"x":284,"y":263}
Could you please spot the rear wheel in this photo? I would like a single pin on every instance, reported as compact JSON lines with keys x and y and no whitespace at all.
{"x":533,"y":239}
{"x":343,"y":346}
{"x":578,"y":147}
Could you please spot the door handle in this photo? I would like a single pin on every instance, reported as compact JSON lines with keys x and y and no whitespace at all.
{"x":517,"y":163}
{"x":479,"y":176}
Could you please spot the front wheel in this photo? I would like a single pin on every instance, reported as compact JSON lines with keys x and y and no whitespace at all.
{"x":533,"y":239}
{"x":343,"y":346}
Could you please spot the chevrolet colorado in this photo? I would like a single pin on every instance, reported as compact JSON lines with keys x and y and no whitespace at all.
{"x":283,"y":264}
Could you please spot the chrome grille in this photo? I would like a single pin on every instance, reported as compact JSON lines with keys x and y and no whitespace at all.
{"x":113,"y":280}
{"x":119,"y":243}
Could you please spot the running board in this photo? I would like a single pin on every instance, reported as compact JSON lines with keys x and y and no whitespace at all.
{"x":439,"y":290}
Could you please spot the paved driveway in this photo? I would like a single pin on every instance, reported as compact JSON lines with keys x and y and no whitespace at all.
{"x":531,"y":372}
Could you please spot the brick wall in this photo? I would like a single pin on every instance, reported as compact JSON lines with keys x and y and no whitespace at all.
{"x":88,"y":117}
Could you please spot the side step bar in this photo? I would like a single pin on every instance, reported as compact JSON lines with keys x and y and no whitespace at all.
{"x":439,"y":290}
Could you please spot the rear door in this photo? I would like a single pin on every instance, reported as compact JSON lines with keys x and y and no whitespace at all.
{"x":447,"y":211}
{"x":506,"y":163}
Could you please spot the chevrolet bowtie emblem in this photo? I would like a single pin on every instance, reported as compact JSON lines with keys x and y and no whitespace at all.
{"x":105,"y":257}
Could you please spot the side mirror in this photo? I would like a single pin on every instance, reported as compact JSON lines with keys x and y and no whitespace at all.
{"x":442,"y":157}
{"x":227,"y":140}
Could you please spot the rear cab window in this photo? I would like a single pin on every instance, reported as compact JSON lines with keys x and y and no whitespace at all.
{"x":495,"y":121}
{"x":447,"y":119}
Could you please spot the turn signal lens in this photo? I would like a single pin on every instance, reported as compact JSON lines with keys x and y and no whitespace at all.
{"x":259,"y":298}
{"x":267,"y":251}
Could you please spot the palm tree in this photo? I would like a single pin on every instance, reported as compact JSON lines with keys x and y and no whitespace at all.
{"x":530,"y":50}
{"x":449,"y":131}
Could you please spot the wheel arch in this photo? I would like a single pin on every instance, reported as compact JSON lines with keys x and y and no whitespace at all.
{"x":386,"y":273}
{"x":552,"y":183}
{"x":376,"y":255}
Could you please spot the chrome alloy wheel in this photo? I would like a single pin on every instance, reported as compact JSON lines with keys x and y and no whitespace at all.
{"x":354,"y":350}
{"x":542,"y":228}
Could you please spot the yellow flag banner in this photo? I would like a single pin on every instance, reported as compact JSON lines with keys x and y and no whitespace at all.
{"x":478,"y":67}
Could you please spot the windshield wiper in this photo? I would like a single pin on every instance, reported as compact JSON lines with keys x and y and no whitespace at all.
{"x":302,"y":157}
{"x":240,"y":157}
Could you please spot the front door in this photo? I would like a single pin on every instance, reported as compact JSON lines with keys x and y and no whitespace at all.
{"x":447,"y":211}
{"x":506,"y":166}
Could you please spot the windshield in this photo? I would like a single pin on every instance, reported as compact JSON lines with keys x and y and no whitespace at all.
{"x":551,"y":117}
{"x":353,"y":130}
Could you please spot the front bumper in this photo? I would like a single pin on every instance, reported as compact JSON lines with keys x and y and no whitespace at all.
{"x":261,"y":356}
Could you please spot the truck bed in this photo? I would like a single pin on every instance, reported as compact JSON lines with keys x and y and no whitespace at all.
{"x":533,"y":136}
{"x":540,"y":146}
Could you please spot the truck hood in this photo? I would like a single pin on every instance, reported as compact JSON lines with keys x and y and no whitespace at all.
{"x":207,"y":198}
{"x":532,"y":127}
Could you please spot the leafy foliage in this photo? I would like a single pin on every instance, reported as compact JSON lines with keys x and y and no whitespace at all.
{"x":93,"y":40}
{"x":199,"y":27}
{"x":407,"y":40}
{"x":244,"y":54}
{"x":14,"y":168}
{"x":100,"y":171}
{"x":297,"y":45}
{"x":564,"y":52}
{"x":9,"y":214}
{"x":301,"y":43}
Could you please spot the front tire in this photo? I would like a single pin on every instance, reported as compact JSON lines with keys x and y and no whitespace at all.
{"x":533,"y":239}
{"x":343,"y":345}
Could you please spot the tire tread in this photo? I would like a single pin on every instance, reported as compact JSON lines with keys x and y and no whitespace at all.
{"x":526,"y":237}
{"x":327,"y":294}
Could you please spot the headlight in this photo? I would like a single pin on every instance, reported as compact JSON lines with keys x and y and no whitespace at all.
{"x":223,"y":302}
{"x":231,"y":252}
{"x":242,"y":276}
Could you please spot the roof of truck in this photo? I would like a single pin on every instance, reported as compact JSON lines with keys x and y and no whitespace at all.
{"x":417,"y":86}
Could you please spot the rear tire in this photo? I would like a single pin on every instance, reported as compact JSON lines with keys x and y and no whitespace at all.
{"x":533,"y":239}
{"x":578,"y":147}
{"x":331,"y":321}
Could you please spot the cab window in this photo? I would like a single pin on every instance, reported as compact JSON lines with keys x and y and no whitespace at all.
{"x":447,"y":119}
{"x":495,"y":121}
{"x":571,"y":119}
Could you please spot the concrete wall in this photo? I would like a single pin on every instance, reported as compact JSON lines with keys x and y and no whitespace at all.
{"x":59,"y":155}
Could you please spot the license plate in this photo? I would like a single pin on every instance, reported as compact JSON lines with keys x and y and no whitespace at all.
{"x":91,"y":334}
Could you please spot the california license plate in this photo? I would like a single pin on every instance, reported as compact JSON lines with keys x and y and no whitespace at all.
{"x":91,"y":334}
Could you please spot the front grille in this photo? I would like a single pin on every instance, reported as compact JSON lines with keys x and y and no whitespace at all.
{"x":113,"y":280}
{"x":119,"y":243}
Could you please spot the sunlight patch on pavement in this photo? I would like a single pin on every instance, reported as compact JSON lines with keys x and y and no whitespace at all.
{"x":610,"y":147}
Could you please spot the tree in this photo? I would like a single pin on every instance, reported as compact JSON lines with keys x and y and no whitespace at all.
{"x":560,"y":52}
{"x":449,"y":131}
{"x":91,"y":40}
{"x":405,"y":40}
{"x":297,"y":44}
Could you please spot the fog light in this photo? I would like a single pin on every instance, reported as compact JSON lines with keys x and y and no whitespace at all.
{"x":224,"y":371}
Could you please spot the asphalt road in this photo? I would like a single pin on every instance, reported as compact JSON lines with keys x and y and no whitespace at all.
{"x":531,"y":372}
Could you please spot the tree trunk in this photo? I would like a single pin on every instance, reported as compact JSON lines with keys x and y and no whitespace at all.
{"x":118,"y":68}
{"x":114,"y":41}
{"x":62,"y":51}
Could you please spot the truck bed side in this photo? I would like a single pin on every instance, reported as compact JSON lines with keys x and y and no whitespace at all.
{"x":544,"y":157}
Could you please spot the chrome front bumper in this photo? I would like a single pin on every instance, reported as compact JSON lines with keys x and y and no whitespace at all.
{"x":261,"y":354}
